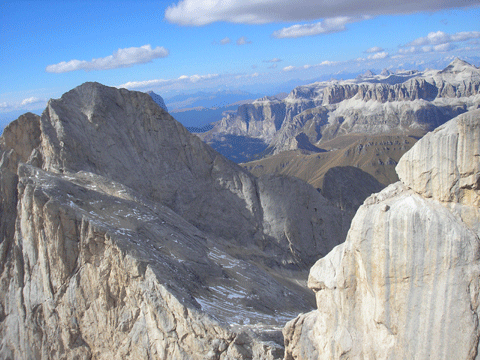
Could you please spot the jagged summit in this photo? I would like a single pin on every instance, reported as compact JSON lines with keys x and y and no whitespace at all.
{"x":458,"y":65}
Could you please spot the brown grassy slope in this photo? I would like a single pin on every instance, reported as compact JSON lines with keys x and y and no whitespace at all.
{"x":374,"y":154}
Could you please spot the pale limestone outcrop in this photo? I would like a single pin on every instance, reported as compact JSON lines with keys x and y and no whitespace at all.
{"x":446,"y":165}
{"x":124,"y":236}
{"x":406,"y":283}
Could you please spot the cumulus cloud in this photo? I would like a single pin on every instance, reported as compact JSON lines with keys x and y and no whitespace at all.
{"x":289,"y":68}
{"x":200,"y":12}
{"x":374,"y":49}
{"x":378,"y":56}
{"x":438,"y":41}
{"x":439,"y":37}
{"x":243,"y":40}
{"x":119,"y":59}
{"x":327,"y":26}
{"x":427,"y":49}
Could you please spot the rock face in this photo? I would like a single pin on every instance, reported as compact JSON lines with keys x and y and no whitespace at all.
{"x":124,"y":236}
{"x":347,"y":186}
{"x":376,"y":104}
{"x":406,"y":283}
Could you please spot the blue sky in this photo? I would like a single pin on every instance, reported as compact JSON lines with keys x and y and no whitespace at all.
{"x":50,"y":47}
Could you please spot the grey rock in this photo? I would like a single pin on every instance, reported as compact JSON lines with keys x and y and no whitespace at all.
{"x":347,"y":187}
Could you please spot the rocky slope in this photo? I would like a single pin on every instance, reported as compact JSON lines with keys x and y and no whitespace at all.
{"x":124,"y":236}
{"x":382,"y":104}
{"x":376,"y":155}
{"x":406,"y":283}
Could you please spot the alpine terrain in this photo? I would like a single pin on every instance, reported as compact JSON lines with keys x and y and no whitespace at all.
{"x":124,"y":236}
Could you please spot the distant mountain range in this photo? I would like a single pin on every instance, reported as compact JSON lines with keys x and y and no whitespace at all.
{"x":392,"y":103}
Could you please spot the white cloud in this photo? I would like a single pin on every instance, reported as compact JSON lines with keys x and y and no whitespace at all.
{"x":439,"y":37}
{"x":30,"y":100}
{"x":163,"y":82}
{"x":121,"y":58}
{"x":374,"y":49}
{"x":225,"y":41}
{"x":31,"y":103}
{"x":201,"y":12}
{"x":289,"y":68}
{"x":323,"y":27}
{"x":444,"y":47}
{"x":273,"y":66}
{"x":243,"y":40}
{"x":378,"y":56}
{"x":323,"y":63}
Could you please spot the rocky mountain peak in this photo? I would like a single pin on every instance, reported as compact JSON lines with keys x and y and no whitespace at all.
{"x":458,"y":65}
{"x":125,"y":235}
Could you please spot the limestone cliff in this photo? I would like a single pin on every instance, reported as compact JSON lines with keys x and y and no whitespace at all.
{"x":406,"y":283}
{"x":124,"y":236}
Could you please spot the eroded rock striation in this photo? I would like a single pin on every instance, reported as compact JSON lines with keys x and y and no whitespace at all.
{"x":406,"y":283}
{"x":124,"y":236}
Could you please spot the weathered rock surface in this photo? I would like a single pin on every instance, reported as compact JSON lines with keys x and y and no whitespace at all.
{"x":124,"y":236}
{"x":406,"y":283}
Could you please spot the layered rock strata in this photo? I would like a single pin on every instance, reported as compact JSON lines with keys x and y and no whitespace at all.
{"x":406,"y":283}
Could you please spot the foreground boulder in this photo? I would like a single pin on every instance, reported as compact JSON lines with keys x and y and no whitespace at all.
{"x":406,"y":283}
{"x":123,"y":236}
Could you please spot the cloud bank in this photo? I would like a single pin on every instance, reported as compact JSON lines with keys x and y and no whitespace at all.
{"x":200,"y":12}
{"x":26,"y":104}
{"x":163,"y":82}
{"x":119,"y":59}
{"x":438,"y":41}
{"x":439,"y":37}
